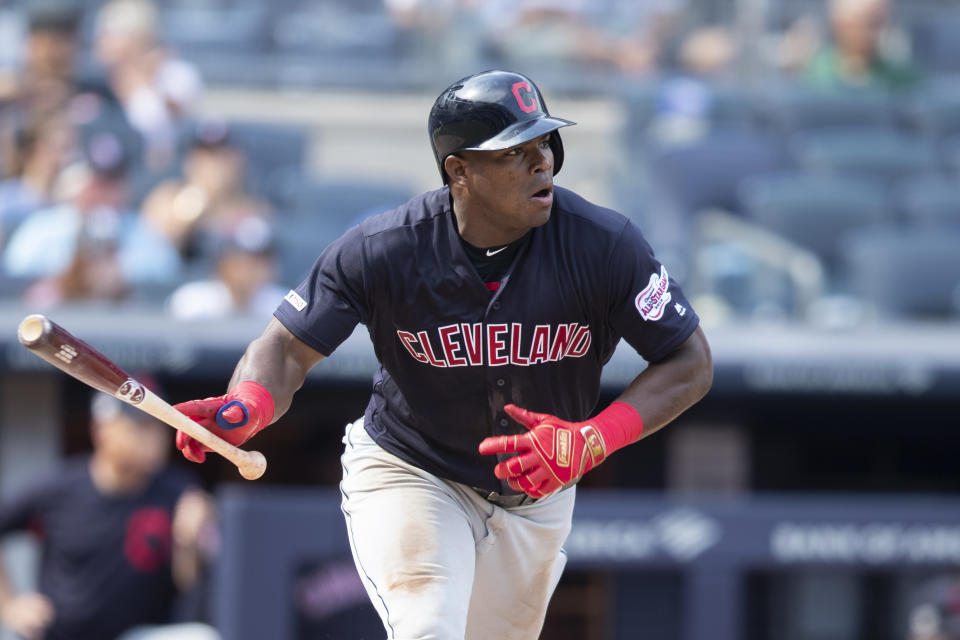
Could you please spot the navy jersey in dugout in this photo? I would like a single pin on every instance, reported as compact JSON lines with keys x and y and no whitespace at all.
{"x":453,"y":353}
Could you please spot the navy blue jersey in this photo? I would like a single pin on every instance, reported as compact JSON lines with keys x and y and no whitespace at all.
{"x":105,"y":558}
{"x":453,"y":353}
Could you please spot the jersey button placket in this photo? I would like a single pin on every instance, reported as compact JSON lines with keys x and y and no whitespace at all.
{"x":498,"y":383}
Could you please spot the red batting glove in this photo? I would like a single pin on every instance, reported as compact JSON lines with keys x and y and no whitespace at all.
{"x":554,"y":452}
{"x":235,"y":417}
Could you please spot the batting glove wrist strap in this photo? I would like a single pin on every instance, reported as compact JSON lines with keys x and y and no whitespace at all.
{"x":618,"y":425}
{"x":258,"y":402}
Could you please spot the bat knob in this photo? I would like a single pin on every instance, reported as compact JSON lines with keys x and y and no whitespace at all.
{"x":252,"y":465}
{"x":225,"y":424}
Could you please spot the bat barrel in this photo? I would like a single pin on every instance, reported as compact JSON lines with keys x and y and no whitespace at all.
{"x":62,"y":349}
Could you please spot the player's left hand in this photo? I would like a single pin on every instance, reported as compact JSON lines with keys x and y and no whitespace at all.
{"x":551,"y":455}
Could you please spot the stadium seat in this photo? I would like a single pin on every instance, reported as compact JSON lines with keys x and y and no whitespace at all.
{"x":934,"y":112}
{"x":343,"y":201}
{"x":299,"y":241}
{"x":882,"y":154}
{"x":12,"y":288}
{"x":323,"y":209}
{"x":905,"y":272}
{"x":639,"y":100}
{"x":705,"y":173}
{"x":336,"y":31}
{"x":812,"y":210}
{"x":673,"y":110}
{"x":935,"y":45}
{"x":795,"y":108}
{"x":197,"y":28}
{"x":930,"y":200}
{"x":271,"y":148}
{"x":950,"y":151}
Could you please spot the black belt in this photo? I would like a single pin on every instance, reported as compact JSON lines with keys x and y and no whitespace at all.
{"x":512,"y":500}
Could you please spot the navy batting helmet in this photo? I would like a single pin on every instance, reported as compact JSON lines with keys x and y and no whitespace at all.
{"x":489,"y":111}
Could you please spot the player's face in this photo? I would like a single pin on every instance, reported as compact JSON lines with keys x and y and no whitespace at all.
{"x":510,"y":191}
{"x":139,"y":447}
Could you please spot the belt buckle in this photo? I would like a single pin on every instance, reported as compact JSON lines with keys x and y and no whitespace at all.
{"x":515,"y":500}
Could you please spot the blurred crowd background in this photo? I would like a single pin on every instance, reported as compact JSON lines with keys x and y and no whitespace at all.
{"x":796,"y":164}
{"x":790,"y":159}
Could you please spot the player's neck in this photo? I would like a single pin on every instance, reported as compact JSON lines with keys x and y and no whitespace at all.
{"x":474,"y":230}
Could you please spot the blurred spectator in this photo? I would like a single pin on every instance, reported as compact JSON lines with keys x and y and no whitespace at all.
{"x":795,"y":47}
{"x":46,"y":83}
{"x":581,"y":32}
{"x":244,"y":282}
{"x":452,"y":33}
{"x":121,"y":533}
{"x":708,"y":51}
{"x":210,"y":200}
{"x":687,"y":99}
{"x":91,"y":246}
{"x":41,"y":149}
{"x":604,"y":34}
{"x":857,"y":56}
{"x":427,"y":15}
{"x":157,"y":90}
{"x":935,"y":614}
{"x":12,"y":32}
{"x":45,"y":79}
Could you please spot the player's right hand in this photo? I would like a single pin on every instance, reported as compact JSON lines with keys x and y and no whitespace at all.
{"x":28,"y":615}
{"x":235,"y":417}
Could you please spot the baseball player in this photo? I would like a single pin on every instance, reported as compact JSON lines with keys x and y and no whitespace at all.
{"x":493,"y":304}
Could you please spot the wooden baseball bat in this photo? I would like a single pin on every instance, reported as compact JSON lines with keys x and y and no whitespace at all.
{"x":76,"y":358}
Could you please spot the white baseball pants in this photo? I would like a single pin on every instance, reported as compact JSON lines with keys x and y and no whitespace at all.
{"x":439,"y":561}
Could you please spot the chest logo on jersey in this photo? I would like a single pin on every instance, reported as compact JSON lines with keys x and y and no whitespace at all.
{"x":477,"y":344}
{"x":148,"y":539}
{"x":655,"y":296}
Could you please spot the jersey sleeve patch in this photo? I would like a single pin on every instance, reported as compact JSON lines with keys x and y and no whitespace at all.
{"x":655,"y":296}
{"x":295,"y":300}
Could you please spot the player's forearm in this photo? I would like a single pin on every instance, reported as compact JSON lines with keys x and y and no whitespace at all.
{"x":668,"y":388}
{"x":6,"y":589}
{"x":278,"y":361}
{"x":193,"y":523}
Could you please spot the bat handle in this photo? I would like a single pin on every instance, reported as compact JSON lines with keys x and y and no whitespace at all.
{"x":250,"y":464}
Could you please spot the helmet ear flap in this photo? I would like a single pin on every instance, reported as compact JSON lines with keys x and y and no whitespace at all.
{"x":556,"y":145}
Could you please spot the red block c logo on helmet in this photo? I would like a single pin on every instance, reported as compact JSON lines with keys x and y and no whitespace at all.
{"x":522,"y":100}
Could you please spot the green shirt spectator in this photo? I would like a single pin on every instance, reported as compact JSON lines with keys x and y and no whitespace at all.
{"x":826,"y":70}
{"x":855,"y":57}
